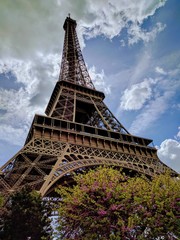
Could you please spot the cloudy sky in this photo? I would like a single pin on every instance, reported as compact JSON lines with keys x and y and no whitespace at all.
{"x":132,"y":52}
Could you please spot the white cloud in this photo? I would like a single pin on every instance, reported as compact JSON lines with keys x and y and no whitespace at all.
{"x":160,"y":70}
{"x":142,"y":66}
{"x":135,"y":97}
{"x":178,"y":134}
{"x":169,"y":148}
{"x":99,"y":80}
{"x":16,"y":135}
{"x":136,"y":33}
{"x":22,"y":71}
{"x":18,"y":115}
{"x":109,"y":18}
{"x":18,"y":106}
{"x":28,"y":27}
{"x":150,"y":113}
{"x":169,"y":152}
{"x":152,"y":107}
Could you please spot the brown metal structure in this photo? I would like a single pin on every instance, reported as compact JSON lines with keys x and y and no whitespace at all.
{"x":79,"y":132}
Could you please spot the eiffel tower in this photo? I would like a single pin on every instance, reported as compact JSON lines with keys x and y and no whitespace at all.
{"x":78,"y":132}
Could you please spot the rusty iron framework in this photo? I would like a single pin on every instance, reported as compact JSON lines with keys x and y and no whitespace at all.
{"x":79,"y":132}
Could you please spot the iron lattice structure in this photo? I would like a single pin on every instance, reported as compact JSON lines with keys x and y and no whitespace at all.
{"x":77,"y":133}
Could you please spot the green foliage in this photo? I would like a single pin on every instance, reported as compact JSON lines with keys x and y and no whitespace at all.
{"x":1,"y":201}
{"x":107,"y":204}
{"x":27,"y":217}
{"x":1,"y":213}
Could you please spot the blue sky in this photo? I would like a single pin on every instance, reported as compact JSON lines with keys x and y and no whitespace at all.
{"x":132,"y":52}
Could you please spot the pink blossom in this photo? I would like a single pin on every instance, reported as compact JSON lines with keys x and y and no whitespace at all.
{"x":102,"y":212}
{"x":84,"y":188}
{"x":114,"y":207}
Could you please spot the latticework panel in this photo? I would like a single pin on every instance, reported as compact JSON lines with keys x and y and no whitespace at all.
{"x":41,"y":163}
{"x":64,"y":107}
{"x":77,"y":157}
{"x":103,"y":118}
{"x":44,"y":161}
{"x":44,"y":146}
{"x":30,"y":165}
{"x":77,"y":106}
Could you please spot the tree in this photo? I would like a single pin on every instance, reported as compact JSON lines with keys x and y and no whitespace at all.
{"x":107,"y":204}
{"x":27,"y":217}
{"x":1,"y":213}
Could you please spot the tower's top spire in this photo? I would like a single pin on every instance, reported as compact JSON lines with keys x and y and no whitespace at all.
{"x":73,"y":68}
{"x":69,"y":21}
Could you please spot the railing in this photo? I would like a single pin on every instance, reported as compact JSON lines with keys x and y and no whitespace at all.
{"x":58,"y":124}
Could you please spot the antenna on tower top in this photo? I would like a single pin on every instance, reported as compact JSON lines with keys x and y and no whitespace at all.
{"x":69,"y":15}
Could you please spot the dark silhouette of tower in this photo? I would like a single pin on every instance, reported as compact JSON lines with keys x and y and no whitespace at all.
{"x":77,"y":133}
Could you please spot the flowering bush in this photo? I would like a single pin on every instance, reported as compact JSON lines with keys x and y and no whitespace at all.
{"x":107,"y":204}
